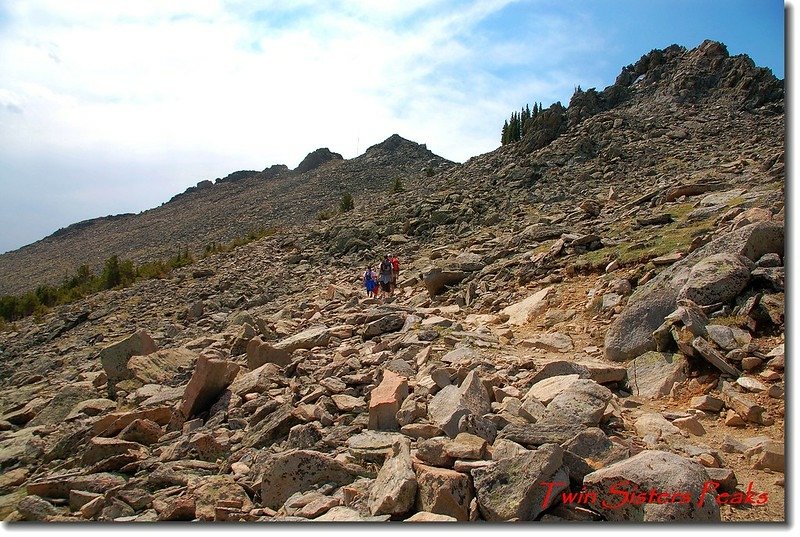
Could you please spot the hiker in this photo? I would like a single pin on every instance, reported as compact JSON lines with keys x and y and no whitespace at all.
{"x":370,"y":282}
{"x":395,"y":271}
{"x":386,"y":276}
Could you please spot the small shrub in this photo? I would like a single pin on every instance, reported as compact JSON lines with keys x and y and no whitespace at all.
{"x":346,"y":203}
{"x":397,"y":186}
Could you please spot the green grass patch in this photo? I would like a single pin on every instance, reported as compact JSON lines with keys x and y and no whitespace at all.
{"x":649,"y":242}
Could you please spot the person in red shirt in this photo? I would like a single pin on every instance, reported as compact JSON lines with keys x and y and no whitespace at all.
{"x":395,"y":271}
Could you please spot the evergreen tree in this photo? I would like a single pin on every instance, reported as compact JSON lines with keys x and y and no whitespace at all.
{"x":111,"y":276}
{"x":515,"y":128}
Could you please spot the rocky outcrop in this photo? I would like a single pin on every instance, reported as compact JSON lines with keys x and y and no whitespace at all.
{"x":315,"y":159}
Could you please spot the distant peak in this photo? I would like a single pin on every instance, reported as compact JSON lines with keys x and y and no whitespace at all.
{"x":394,"y":143}
{"x":317,"y":158}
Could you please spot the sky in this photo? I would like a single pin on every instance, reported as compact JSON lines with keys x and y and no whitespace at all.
{"x":116,"y":106}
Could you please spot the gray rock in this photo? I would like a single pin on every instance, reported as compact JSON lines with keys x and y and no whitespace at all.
{"x":271,"y":429}
{"x":260,"y":352}
{"x":259,"y":380}
{"x":532,"y":410}
{"x":436,"y":279}
{"x":316,"y":336}
{"x":714,"y":357}
{"x":34,"y":508}
{"x":728,"y":337}
{"x":504,"y":448}
{"x":446,"y":409}
{"x":630,"y":335}
{"x":114,"y":358}
{"x":303,"y":436}
{"x":478,"y":425}
{"x":654,"y":470}
{"x":388,"y":323}
{"x":653,"y":374}
{"x":541,"y":433}
{"x":62,"y":404}
{"x":590,"y":450}
{"x":395,"y":488}
{"x":561,"y":367}
{"x":585,"y":403}
{"x":546,"y":390}
{"x":373,"y":446}
{"x":512,"y":488}
{"x":474,"y":395}
{"x":555,"y":342}
{"x":296,"y":471}
{"x":652,"y":426}
{"x":717,"y":279}
{"x":707,"y":403}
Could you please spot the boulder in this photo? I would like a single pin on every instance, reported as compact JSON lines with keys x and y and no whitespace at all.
{"x":272,"y":428}
{"x":111,"y":424}
{"x":521,"y":487}
{"x":297,"y":471}
{"x":260,"y":352}
{"x":35,"y":508}
{"x":395,"y":488}
{"x":727,"y":338}
{"x":62,"y":404}
{"x":653,"y":374}
{"x":559,"y":368}
{"x":546,"y":390}
{"x":316,"y":336}
{"x":590,"y":450}
{"x":114,"y":358}
{"x":257,"y":380}
{"x":436,"y":279}
{"x":210,"y":378}
{"x":142,"y":431}
{"x":474,"y":394}
{"x":425,"y":516}
{"x":585,"y":403}
{"x":630,"y":335}
{"x":388,"y":323}
{"x":208,"y":492}
{"x":385,"y":401}
{"x":100,"y":449}
{"x":373,"y":446}
{"x":524,"y":311}
{"x":446,"y":408}
{"x":538,"y":434}
{"x":555,"y":342}
{"x":654,"y":427}
{"x":681,"y":485}
{"x":716,"y":279}
{"x":60,"y":485}
{"x":161,"y":367}
{"x":443,"y":491}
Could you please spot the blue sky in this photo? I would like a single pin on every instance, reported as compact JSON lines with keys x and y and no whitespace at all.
{"x":110,"y":107}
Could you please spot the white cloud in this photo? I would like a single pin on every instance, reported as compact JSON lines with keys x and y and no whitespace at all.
{"x":226,"y":85}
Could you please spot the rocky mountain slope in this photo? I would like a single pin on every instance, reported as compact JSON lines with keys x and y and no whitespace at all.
{"x":217,"y":212}
{"x":602,"y":301}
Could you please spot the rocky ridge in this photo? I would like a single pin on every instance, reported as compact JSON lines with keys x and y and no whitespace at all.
{"x":596,"y":309}
{"x":209,"y":213}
